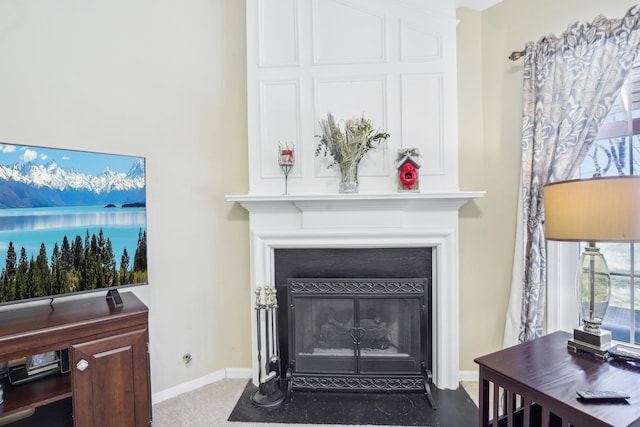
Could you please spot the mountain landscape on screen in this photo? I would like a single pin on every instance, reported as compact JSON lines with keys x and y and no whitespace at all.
{"x":29,"y":185}
{"x":71,"y":221}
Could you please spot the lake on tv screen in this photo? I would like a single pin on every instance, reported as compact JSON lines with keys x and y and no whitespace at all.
{"x":30,"y":228}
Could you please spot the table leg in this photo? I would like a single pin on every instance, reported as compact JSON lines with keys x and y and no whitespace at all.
{"x":483,"y":412}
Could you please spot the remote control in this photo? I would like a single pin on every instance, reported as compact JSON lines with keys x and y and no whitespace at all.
{"x":626,"y":356}
{"x":600,"y":395}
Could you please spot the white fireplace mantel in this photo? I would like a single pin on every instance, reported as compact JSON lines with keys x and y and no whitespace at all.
{"x":363,"y":220}
{"x":330,"y":202}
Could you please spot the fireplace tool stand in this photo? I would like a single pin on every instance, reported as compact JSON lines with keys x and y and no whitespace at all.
{"x":428,"y":379}
{"x":269,"y":391}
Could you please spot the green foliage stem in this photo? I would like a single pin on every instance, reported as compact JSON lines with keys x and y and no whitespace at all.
{"x":349,"y":147}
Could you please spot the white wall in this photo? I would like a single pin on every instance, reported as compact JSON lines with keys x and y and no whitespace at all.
{"x":163,"y":79}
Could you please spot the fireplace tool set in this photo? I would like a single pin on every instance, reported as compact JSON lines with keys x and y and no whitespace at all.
{"x":269,"y":391}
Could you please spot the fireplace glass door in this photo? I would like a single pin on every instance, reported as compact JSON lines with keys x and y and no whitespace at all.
{"x":389,"y":335}
{"x":323,"y":329}
{"x":356,"y":334}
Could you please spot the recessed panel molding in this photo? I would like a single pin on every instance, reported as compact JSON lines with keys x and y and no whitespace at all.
{"x":347,"y":33}
{"x":279,"y":123}
{"x":422,"y":119}
{"x":279,"y":40}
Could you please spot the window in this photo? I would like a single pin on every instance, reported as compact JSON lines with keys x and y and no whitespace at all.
{"x":616,"y":151}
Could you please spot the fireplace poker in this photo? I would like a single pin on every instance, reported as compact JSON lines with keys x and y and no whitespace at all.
{"x":258,"y":308}
{"x":274,"y":360}
{"x":267,"y":292}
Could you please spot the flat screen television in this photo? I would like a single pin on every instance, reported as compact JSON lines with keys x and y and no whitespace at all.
{"x":70,"y":222}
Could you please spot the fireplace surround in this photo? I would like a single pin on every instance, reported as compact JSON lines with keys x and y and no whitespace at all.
{"x":422,"y":220}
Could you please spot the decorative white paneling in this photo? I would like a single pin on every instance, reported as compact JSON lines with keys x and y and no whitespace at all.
{"x":279,"y":122}
{"x":376,"y":58}
{"x":347,"y":33}
{"x":422,"y":120}
{"x":279,"y":41}
{"x":419,"y":44}
{"x":351,"y":98}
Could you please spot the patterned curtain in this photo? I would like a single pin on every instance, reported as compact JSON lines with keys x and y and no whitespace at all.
{"x":570,"y":83}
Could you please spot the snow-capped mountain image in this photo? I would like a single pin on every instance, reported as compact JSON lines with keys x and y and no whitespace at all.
{"x":34,"y":177}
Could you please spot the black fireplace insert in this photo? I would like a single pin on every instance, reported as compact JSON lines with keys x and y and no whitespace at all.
{"x":359,"y":335}
{"x":408,"y":369}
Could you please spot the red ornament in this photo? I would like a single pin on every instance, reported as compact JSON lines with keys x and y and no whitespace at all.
{"x":408,"y":175}
{"x":286,"y":157}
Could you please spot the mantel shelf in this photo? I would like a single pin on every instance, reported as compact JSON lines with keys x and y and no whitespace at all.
{"x":319,"y":202}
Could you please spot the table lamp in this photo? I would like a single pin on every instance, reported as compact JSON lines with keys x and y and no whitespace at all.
{"x":593,"y":210}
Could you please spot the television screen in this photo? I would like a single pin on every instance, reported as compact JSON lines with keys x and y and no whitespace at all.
{"x":70,"y":222}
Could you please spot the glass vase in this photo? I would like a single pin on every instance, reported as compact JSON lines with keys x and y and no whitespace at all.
{"x":348,"y":178}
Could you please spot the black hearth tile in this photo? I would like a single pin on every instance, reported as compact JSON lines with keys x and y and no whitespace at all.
{"x":454,"y":409}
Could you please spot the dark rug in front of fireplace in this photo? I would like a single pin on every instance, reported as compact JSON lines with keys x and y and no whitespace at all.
{"x":454,"y":409}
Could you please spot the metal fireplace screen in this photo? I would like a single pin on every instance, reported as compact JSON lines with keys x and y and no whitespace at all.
{"x":358,"y":334}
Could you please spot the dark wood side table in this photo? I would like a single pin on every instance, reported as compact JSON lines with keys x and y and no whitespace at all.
{"x":536,"y":382}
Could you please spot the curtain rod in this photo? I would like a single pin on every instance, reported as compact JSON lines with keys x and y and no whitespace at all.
{"x":516,"y":55}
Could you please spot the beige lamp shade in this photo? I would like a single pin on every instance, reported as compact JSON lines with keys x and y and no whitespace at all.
{"x":593,"y":210}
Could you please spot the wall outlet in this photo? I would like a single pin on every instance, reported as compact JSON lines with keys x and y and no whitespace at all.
{"x":186,"y":358}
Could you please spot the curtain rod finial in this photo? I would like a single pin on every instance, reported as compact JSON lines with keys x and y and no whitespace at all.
{"x":516,"y":55}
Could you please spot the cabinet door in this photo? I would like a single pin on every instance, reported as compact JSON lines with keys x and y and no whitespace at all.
{"x":111,"y":381}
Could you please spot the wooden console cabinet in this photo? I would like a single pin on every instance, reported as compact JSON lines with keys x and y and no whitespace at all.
{"x":108,"y":382}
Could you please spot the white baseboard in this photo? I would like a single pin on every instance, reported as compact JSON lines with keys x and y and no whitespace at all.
{"x":468,"y":376}
{"x":239,"y":372}
{"x":188,"y":386}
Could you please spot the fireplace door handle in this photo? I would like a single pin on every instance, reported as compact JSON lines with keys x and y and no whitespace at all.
{"x":357,"y":334}
{"x":363,"y":333}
